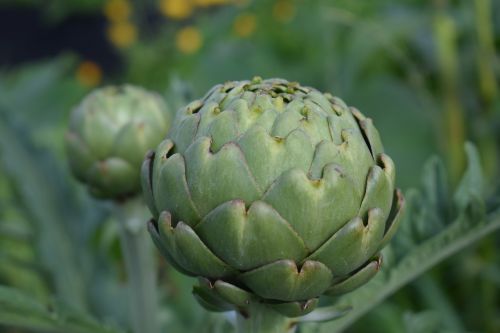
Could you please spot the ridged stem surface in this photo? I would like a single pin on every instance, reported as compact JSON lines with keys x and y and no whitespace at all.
{"x":262,"y":319}
{"x":141,"y":269}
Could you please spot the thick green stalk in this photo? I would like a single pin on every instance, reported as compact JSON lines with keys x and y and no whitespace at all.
{"x":485,"y":55}
{"x":262,"y":319}
{"x":486,"y":50}
{"x":453,"y":115}
{"x":140,"y":264}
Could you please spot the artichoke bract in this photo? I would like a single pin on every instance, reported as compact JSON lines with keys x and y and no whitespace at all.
{"x":271,"y":192}
{"x":109,"y":134}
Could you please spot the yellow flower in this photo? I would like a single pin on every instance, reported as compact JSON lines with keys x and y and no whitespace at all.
{"x":176,"y":9}
{"x":117,"y":10}
{"x":89,"y":73}
{"x":284,"y":10}
{"x":188,"y":40}
{"x":122,"y":34}
{"x":245,"y":24}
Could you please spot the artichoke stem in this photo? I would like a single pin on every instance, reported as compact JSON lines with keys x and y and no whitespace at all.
{"x":140,"y":265}
{"x":262,"y":319}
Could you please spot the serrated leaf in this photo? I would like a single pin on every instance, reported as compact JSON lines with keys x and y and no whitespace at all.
{"x":39,"y":198}
{"x":19,"y":310}
{"x":471,"y":187}
{"x":435,"y":188}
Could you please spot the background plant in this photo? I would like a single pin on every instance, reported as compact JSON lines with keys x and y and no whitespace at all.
{"x":425,"y":71}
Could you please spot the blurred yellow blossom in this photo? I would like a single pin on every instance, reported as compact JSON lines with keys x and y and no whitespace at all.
{"x":176,"y":9}
{"x":122,"y":34}
{"x":189,"y":40}
{"x":117,"y":10}
{"x":284,"y":10}
{"x":89,"y":73}
{"x":245,"y":24}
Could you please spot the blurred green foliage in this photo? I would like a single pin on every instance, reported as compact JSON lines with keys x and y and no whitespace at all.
{"x":427,"y":72}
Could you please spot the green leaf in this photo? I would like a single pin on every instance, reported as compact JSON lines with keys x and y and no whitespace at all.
{"x":423,"y":322}
{"x":61,"y":220}
{"x":472,"y":185}
{"x":435,"y":188}
{"x":19,"y":310}
{"x":40,"y":194}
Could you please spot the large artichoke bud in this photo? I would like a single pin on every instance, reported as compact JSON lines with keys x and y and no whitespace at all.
{"x":273,"y":192}
{"x":110,"y":132}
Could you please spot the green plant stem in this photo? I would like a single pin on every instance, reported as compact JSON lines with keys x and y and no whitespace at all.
{"x":485,"y":55}
{"x":486,"y":50}
{"x":445,"y":34}
{"x":262,"y":319}
{"x":140,"y":265}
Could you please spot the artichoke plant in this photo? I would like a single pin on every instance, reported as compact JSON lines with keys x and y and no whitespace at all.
{"x":110,"y":131}
{"x":109,"y":134}
{"x":271,"y":193}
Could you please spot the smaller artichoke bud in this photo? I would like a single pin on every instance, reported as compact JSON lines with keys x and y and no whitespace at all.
{"x":109,"y":134}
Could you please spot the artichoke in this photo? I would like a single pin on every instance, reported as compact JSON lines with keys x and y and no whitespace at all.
{"x":271,"y":192}
{"x":110,"y":132}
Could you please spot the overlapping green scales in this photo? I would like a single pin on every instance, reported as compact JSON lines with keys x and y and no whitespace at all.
{"x":248,"y":239}
{"x":287,"y":186}
{"x":314,"y":208}
{"x":355,"y":243}
{"x":109,"y":134}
